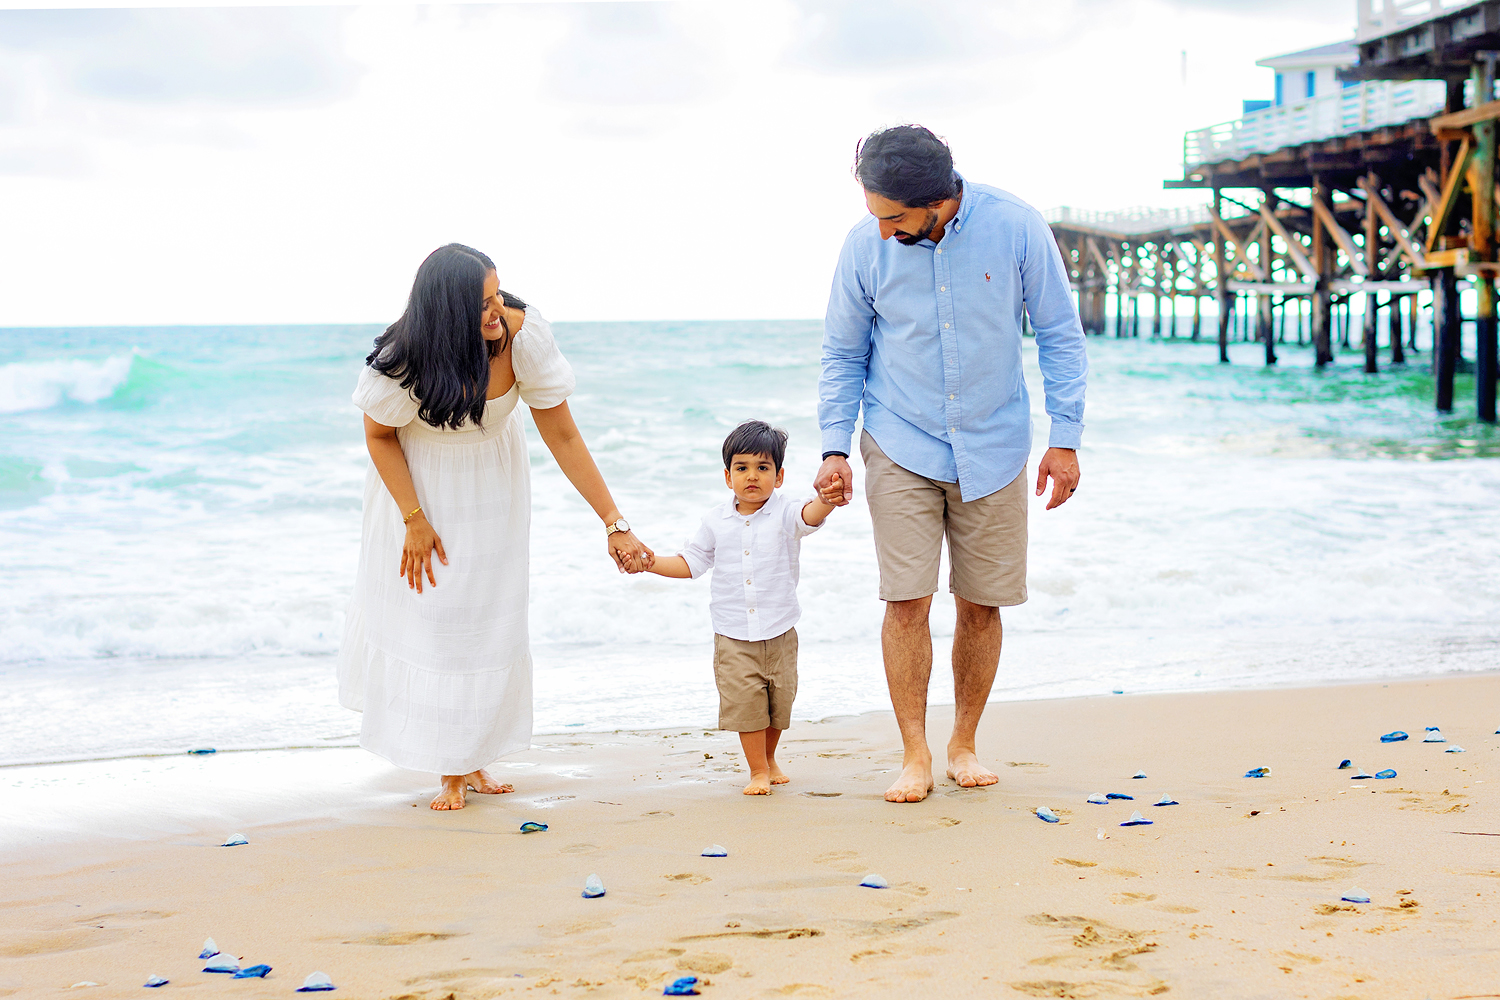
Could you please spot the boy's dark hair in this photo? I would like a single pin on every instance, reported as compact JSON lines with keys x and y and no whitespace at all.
{"x":755,"y":437}
{"x":907,"y":164}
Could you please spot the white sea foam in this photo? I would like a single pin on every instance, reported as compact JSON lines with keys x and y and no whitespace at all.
{"x":39,"y":385}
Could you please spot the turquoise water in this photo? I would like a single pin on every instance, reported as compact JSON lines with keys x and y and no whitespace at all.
{"x":179,"y":519}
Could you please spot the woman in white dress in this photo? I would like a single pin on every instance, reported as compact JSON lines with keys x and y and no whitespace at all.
{"x":442,"y":673}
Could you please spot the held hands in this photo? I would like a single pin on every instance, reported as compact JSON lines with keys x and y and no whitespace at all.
{"x":835,"y":470}
{"x":1062,"y":465}
{"x":629,"y":554}
{"x":416,"y":553}
{"x":833,"y":494}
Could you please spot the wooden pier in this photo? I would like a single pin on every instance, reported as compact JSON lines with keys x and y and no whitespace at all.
{"x":1384,"y":189}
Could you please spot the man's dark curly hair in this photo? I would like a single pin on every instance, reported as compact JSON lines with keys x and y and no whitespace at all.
{"x":906,"y":163}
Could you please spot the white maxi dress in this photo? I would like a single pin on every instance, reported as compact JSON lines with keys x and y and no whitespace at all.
{"x":444,"y":677}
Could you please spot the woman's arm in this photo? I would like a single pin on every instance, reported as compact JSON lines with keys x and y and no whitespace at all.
{"x":563,"y":439}
{"x":421,"y":540}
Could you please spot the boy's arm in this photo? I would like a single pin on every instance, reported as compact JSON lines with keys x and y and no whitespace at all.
{"x":816,"y":510}
{"x":675,"y":567}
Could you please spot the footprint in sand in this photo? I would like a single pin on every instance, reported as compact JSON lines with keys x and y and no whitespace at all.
{"x":844,"y":861}
{"x":709,"y":963}
{"x":929,"y":825}
{"x":1132,"y":898}
{"x":1075,"y":864}
{"x":1095,"y":943}
{"x":655,"y":955}
{"x":689,"y":878}
{"x":397,"y":938}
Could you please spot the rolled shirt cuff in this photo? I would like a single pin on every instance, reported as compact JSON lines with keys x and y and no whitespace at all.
{"x":1064,"y":434}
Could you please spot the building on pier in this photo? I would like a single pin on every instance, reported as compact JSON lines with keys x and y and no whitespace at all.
{"x":1370,"y":176}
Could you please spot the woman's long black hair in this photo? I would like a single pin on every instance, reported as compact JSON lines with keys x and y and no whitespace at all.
{"x":437,"y":349}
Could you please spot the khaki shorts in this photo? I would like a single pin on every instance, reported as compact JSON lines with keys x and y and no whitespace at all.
{"x":911,"y":514}
{"x":757,"y":682}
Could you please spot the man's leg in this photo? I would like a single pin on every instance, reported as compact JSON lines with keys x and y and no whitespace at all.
{"x":976,"y":657}
{"x":906,"y":642}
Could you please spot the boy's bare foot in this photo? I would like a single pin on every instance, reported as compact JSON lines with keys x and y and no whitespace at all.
{"x":481,"y":781}
{"x":452,"y":795}
{"x":913,"y":785}
{"x":778,"y":776}
{"x":964,"y":768}
{"x":760,"y":783}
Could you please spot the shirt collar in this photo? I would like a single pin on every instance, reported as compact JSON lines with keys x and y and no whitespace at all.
{"x":965,"y":205}
{"x":730,"y":509}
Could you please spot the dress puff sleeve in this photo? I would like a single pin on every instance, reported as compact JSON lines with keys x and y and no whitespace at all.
{"x":543,"y":375}
{"x":384,"y":400}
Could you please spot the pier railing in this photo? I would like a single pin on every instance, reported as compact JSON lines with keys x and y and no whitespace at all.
{"x":1130,"y":221}
{"x":1358,"y":108}
{"x":1381,"y":17}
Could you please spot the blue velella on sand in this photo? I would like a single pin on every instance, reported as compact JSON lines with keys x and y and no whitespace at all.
{"x":202,"y":751}
{"x":715,"y":851}
{"x":1046,"y":815}
{"x":1395,"y":737}
{"x":1389,"y":772}
{"x":1257,"y":772}
{"x":1455,"y":749}
{"x":531,"y":826}
{"x":1434,"y":735}
{"x":1098,"y":799}
{"x":873,"y":881}
{"x":1139,"y":774}
{"x":209,"y":949}
{"x":683,"y":987}
{"x":222,"y":963}
{"x":1355,"y":896}
{"x":1136,"y":819}
{"x":253,"y":972}
{"x":1119,"y":795}
{"x":155,"y":981}
{"x":1344,"y":765}
{"x":1165,"y":800}
{"x":1362,"y":774}
{"x":593,"y":887}
{"x":235,"y":840}
{"x":316,"y":982}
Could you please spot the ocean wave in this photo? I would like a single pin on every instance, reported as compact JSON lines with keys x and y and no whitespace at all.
{"x":41,"y":385}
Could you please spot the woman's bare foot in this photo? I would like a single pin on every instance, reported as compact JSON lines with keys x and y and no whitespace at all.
{"x":760,"y":783}
{"x":480,"y":781}
{"x":452,"y":795}
{"x":778,"y":776}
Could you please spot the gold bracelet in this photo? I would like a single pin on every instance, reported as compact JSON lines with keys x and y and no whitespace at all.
{"x":415,"y":511}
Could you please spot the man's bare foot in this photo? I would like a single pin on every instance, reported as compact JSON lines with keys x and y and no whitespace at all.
{"x":913,"y":785}
{"x":480,"y":781}
{"x":452,"y":795}
{"x":760,"y":783}
{"x":778,"y":776}
{"x":964,"y":768}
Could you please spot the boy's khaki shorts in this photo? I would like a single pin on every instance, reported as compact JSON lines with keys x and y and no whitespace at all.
{"x":911,"y":514}
{"x":757,"y":682}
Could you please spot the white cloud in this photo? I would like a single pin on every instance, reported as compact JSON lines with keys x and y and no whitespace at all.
{"x":617,"y":160}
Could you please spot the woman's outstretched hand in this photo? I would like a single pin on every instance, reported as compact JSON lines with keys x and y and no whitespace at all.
{"x":628,"y":552}
{"x":416,"y":553}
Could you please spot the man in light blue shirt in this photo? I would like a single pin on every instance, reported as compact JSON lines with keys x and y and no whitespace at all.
{"x":924,"y":333}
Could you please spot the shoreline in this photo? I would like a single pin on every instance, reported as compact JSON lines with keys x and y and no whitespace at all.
{"x":112,"y":872}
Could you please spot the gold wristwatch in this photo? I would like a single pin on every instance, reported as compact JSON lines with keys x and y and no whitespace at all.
{"x":620,"y":525}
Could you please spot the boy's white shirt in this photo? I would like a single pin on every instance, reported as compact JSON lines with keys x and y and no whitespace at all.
{"x":753,"y":593}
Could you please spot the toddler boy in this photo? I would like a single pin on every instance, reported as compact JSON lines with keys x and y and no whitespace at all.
{"x":752,"y":541}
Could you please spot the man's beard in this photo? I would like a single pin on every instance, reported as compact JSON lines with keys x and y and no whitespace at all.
{"x":906,"y":239}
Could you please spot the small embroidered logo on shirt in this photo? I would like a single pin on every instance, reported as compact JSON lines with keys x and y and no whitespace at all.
{"x":986,"y":276}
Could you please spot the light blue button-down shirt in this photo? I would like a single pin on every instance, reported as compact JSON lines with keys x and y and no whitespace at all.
{"x":928,"y":338}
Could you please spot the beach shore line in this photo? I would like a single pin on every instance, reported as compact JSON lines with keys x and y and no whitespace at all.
{"x":112,"y":871}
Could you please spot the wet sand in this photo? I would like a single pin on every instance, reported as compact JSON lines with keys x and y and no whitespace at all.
{"x":111,"y":872}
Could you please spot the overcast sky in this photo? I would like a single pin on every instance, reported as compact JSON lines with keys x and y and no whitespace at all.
{"x":618,"y":160}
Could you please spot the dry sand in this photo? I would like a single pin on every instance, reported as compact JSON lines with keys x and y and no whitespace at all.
{"x":111,"y":871}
